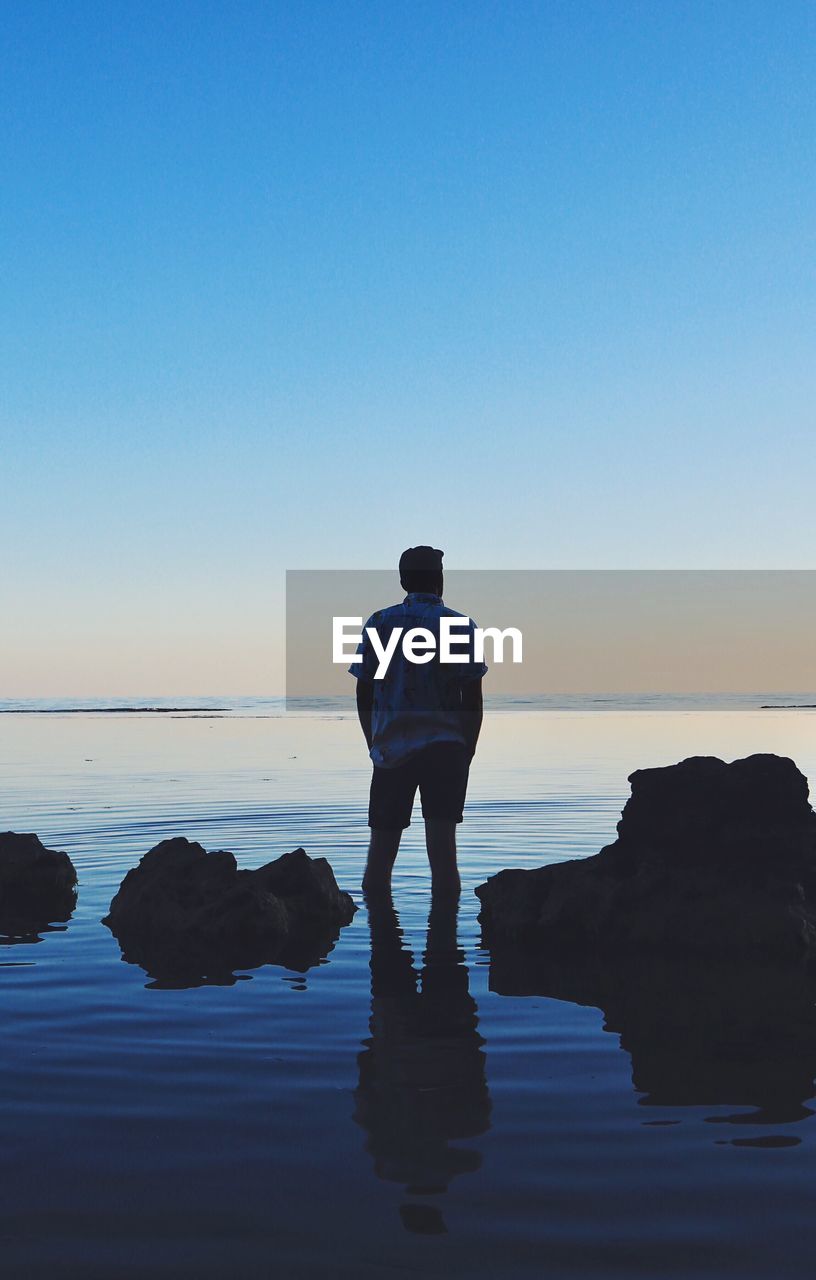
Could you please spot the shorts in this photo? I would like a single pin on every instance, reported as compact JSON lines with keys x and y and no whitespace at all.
{"x":441,"y":773}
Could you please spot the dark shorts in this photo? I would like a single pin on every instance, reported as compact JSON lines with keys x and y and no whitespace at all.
{"x":441,"y":774}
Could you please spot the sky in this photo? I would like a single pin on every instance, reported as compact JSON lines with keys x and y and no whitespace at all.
{"x":293,"y":286}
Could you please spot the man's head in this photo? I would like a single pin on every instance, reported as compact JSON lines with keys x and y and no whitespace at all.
{"x":420,"y":569}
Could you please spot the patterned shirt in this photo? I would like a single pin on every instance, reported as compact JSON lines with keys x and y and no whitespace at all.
{"x":415,"y":704}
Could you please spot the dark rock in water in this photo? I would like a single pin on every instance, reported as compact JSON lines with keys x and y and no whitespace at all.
{"x":694,"y":933}
{"x":712,"y":858}
{"x":188,"y":916}
{"x":37,"y":886}
{"x":700,"y":1032}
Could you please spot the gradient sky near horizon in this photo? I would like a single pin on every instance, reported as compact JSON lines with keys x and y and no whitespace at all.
{"x":297,"y":285}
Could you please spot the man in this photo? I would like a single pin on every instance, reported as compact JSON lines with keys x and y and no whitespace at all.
{"x":421,"y":722}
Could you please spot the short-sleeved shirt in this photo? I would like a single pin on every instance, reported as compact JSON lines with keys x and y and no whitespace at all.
{"x":415,"y":704}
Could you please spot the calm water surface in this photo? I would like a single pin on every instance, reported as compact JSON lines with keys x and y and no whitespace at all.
{"x":386,"y":1112}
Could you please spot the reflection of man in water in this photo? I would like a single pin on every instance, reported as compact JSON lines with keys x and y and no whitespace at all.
{"x":421,"y":721}
{"x":422,"y":1071}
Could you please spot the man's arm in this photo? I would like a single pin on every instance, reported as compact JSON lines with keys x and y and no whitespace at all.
{"x":472,"y":711}
{"x":365,"y":703}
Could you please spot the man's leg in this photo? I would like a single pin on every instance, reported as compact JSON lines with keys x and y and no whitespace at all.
{"x":443,"y":784}
{"x":440,"y":841}
{"x":382,"y":853}
{"x":389,"y":813}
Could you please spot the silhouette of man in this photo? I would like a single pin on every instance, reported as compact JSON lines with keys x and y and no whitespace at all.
{"x":421,"y":722}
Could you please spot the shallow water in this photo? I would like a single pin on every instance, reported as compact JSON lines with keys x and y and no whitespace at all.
{"x":307,"y":1125}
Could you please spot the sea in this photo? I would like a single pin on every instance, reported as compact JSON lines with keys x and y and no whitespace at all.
{"x":401,"y":1107}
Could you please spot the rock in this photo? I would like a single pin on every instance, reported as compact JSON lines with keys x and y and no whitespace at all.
{"x":187,"y":916}
{"x":711,"y":858}
{"x":37,"y":885}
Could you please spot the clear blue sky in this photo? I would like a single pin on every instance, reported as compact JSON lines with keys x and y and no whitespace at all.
{"x":294,"y":285}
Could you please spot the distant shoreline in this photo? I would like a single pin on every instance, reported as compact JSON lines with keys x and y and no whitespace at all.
{"x":275,"y":706}
{"x":85,"y":711}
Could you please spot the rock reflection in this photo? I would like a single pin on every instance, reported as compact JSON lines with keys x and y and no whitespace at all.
{"x":16,"y":929}
{"x":723,"y":1033}
{"x":422,"y":1081}
{"x":173,"y":968}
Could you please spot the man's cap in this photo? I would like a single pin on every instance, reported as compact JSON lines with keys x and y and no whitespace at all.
{"x":427,"y":559}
